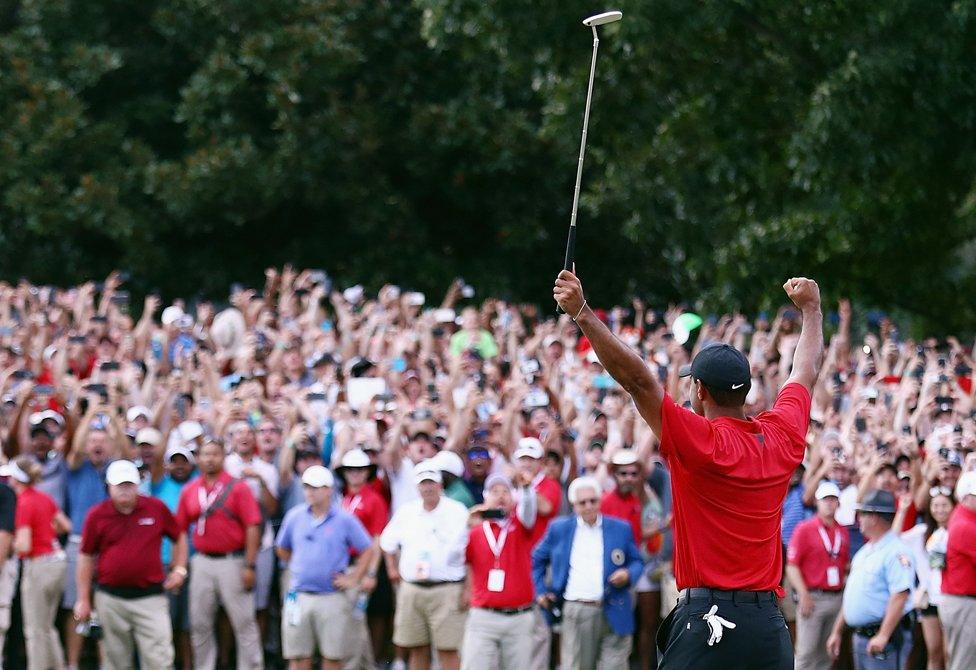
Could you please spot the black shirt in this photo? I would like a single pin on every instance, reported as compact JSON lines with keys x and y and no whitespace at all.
{"x":8,"y":504}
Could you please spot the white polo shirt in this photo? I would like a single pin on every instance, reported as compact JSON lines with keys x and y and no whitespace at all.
{"x":431,"y":544}
{"x":234,"y":465}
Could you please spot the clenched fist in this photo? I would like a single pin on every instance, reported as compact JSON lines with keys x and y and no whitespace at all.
{"x":568,"y":293}
{"x":804,"y":293}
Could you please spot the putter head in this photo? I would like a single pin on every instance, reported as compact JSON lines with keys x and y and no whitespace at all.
{"x":600,"y":19}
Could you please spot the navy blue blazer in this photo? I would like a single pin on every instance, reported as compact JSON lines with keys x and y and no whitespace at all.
{"x":619,"y":551}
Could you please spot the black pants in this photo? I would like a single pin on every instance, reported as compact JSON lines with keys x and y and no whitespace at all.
{"x":759,"y":641}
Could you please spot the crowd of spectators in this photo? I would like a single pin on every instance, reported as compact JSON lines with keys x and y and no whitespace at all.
{"x":438,"y":443}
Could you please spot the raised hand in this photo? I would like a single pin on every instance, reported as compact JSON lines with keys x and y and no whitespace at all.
{"x":804,"y":293}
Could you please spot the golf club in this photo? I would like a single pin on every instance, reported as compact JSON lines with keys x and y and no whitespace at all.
{"x":592,"y":22}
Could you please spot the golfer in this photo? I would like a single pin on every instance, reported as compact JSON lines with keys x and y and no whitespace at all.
{"x":730,"y":474}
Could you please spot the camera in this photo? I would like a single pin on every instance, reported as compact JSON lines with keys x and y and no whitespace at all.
{"x":91,"y":628}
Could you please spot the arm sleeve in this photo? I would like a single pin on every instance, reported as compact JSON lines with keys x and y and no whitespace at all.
{"x":390,"y":537}
{"x":23,"y":517}
{"x":685,"y":435}
{"x":792,"y":407}
{"x":900,"y":571}
{"x":527,"y":509}
{"x":245,"y":505}
{"x":285,"y":532}
{"x":359,"y":539}
{"x":171,"y":528}
{"x":89,"y":534}
{"x":541,"y":556}
{"x":183,"y":519}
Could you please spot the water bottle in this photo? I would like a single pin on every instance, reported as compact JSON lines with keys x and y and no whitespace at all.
{"x":292,"y":613}
{"x":359,"y":611}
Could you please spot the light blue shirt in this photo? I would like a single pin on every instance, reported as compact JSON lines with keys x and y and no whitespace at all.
{"x":168,"y":490}
{"x":879,"y":570}
{"x":86,"y":488}
{"x":320,"y":547}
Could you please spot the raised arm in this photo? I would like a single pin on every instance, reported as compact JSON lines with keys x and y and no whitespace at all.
{"x":622,"y":362}
{"x":805,"y":294}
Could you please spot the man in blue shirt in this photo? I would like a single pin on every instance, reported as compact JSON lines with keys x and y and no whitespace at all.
{"x":97,"y":442}
{"x":877,"y":598}
{"x":315,"y":539}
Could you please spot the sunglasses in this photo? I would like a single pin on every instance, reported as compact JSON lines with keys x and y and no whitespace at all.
{"x":940,"y":491}
{"x":627,"y":473}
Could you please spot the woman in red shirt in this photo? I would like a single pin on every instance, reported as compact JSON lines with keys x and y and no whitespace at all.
{"x":37,"y":522}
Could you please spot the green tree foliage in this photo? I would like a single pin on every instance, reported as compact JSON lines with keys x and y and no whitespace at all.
{"x":733,"y":143}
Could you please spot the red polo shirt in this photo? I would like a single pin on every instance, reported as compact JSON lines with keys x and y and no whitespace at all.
{"x":729,"y":478}
{"x":548,"y":488}
{"x":369,"y":507}
{"x":809,"y":552}
{"x":36,"y":510}
{"x":959,"y":575}
{"x":224,"y":530}
{"x":628,"y":508}
{"x":514,"y":558}
{"x":118,"y":538}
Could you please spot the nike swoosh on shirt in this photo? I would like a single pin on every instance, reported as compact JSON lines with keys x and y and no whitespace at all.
{"x":736,"y":387}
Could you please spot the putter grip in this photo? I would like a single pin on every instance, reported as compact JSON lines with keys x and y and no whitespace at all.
{"x":570,"y":249}
{"x":570,"y":253}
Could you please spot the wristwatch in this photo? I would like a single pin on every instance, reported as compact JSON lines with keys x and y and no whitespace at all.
{"x":180,"y":570}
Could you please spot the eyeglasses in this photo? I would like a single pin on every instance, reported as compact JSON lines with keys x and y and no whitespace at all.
{"x":587,"y":501}
{"x":940,"y":491}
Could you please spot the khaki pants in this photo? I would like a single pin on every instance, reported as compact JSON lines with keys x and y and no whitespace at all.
{"x":359,"y":641}
{"x":429,"y":615}
{"x":812,"y":631}
{"x":218,"y":581}
{"x":40,"y":596}
{"x":495,"y":641}
{"x":8,"y":586}
{"x":958,"y":616}
{"x":587,"y":641}
{"x":541,"y":641}
{"x":144,"y":621}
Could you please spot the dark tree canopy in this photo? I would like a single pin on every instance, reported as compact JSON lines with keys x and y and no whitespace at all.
{"x":733,"y":144}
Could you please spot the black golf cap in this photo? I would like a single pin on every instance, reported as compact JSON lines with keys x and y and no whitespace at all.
{"x":878,"y":502}
{"x":721,"y":367}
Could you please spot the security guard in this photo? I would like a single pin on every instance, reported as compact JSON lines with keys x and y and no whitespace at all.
{"x":877,"y":599}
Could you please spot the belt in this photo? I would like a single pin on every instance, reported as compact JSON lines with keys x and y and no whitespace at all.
{"x":705,"y":593}
{"x":131,"y":592}
{"x":429,"y":584}
{"x":871,"y":630}
{"x":591,"y":603}
{"x":46,"y":558}
{"x":226,"y":554}
{"x":508,"y":611}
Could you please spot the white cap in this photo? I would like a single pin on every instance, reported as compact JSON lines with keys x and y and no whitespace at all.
{"x":171,"y":314}
{"x":37,"y":417}
{"x":426,"y":471}
{"x":355,"y":458}
{"x":318,"y":476}
{"x":180,"y":451}
{"x":827,"y":489}
{"x":13,"y":471}
{"x":149,"y":436}
{"x":122,"y":472}
{"x":448,"y":461}
{"x":624,"y":457}
{"x":966,"y":486}
{"x":136,"y":411}
{"x":496,"y":479}
{"x":185,"y":433}
{"x":529,"y":447}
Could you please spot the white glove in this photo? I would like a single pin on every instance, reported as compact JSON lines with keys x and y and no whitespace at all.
{"x":716,"y":623}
